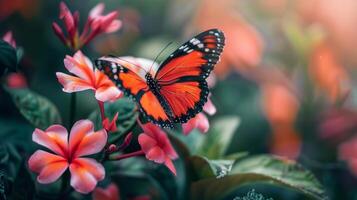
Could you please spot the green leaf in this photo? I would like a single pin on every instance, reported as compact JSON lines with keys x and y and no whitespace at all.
{"x":126,"y":118}
{"x":191,"y":142}
{"x":38,"y":110}
{"x":19,"y":54}
{"x":217,"y":140}
{"x":8,"y":58}
{"x":265,"y":168}
{"x":283,"y":171}
{"x":202,"y":168}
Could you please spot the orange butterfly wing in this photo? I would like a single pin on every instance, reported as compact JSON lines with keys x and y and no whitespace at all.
{"x":127,"y":78}
{"x":182,"y":77}
{"x":180,"y":89}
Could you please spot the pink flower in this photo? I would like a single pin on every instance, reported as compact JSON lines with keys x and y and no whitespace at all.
{"x":95,"y":25}
{"x":8,"y":37}
{"x":110,"y":125}
{"x":338,"y":124}
{"x":104,"y":23}
{"x":83,"y":141}
{"x":87,"y":78}
{"x":16,"y":80}
{"x":347,"y":151}
{"x":200,"y":121}
{"x":109,"y":193}
{"x":157,"y":146}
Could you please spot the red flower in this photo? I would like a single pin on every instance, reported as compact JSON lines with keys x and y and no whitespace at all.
{"x":16,"y":80}
{"x":157,"y":146}
{"x":9,"y":38}
{"x":104,"y":23}
{"x":110,"y":125}
{"x":347,"y":152}
{"x":109,"y":193}
{"x":95,"y":25}
{"x":87,"y":78}
{"x":112,"y":193}
{"x":85,"y":172}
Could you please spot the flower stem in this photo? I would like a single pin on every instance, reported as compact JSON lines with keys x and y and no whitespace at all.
{"x":65,"y":187}
{"x":128,"y":155}
{"x":73,"y":105}
{"x":101,"y":108}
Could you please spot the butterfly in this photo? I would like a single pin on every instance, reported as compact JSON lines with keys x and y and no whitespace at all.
{"x":174,"y":91}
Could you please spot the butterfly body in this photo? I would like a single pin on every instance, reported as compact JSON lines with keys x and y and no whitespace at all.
{"x":177,"y":89}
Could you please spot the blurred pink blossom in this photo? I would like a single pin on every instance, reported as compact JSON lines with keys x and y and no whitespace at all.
{"x":16,"y":80}
{"x":83,"y":141}
{"x":111,"y":192}
{"x":87,"y":78}
{"x":328,"y":73}
{"x":338,"y":124}
{"x":347,"y":151}
{"x":244,"y":46}
{"x":9,"y":38}
{"x":281,"y":106}
{"x":96,"y":24}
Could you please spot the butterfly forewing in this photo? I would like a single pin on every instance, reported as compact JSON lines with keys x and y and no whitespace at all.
{"x":182,"y":77}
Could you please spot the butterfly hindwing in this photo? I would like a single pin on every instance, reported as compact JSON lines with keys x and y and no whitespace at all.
{"x":127,"y":78}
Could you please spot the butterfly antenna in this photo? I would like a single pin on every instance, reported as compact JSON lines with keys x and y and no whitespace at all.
{"x":158,"y":55}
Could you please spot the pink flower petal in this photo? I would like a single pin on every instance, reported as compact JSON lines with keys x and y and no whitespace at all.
{"x":203,"y":123}
{"x":169,"y":150}
{"x":209,"y":107}
{"x":110,"y":125}
{"x":200,"y":122}
{"x":170,"y":165}
{"x":84,"y":141}
{"x":156,"y":154}
{"x":152,"y":130}
{"x":72,"y":84}
{"x":347,"y":150}
{"x":114,"y":26}
{"x":8,"y":37}
{"x":49,"y":166}
{"x":109,"y":193}
{"x":97,"y":10}
{"x":146,"y":142}
{"x":106,"y":21}
{"x":67,"y":17}
{"x":54,"y":138}
{"x":85,"y":173}
{"x":80,"y":66}
{"x":105,"y":94}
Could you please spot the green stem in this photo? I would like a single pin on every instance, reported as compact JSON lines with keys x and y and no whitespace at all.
{"x":101,"y":108}
{"x":128,"y":155}
{"x":65,"y":187}
{"x":73,"y":106}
